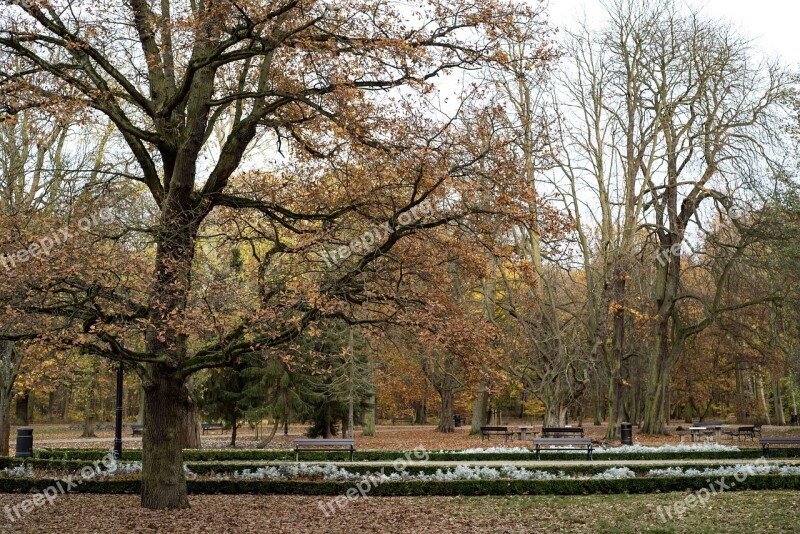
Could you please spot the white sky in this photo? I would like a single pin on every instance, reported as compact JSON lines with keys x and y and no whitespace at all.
{"x":773,"y":24}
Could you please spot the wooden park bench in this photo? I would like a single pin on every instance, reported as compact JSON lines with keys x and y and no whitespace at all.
{"x":562,"y":432}
{"x":562,"y":444}
{"x":137,"y":430}
{"x":207,"y":427}
{"x":409,"y":420}
{"x":741,"y":432}
{"x":489,"y":431}
{"x":325,"y":445}
{"x":767,"y":442}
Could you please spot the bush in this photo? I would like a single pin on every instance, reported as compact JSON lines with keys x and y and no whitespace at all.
{"x":412,"y":488}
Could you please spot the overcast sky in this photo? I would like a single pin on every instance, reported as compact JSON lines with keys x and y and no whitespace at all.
{"x":773,"y":24}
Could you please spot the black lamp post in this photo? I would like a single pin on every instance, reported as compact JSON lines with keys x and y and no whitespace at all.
{"x":118,"y":422}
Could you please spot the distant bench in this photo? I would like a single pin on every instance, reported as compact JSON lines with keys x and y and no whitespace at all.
{"x":488,"y":431}
{"x":136,"y":430}
{"x":562,"y":444}
{"x":326,"y":445}
{"x":562,"y":432}
{"x":409,"y":420}
{"x":767,"y":442}
{"x":207,"y":427}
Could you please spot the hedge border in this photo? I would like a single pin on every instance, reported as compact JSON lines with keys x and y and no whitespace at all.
{"x":433,"y":488}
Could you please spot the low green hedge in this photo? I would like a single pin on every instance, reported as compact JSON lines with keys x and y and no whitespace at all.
{"x":390,"y":456}
{"x":415,"y":488}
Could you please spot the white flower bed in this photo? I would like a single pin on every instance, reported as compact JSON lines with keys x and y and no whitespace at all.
{"x":20,"y":471}
{"x":728,"y":470}
{"x":459,"y":472}
{"x":624,"y":449}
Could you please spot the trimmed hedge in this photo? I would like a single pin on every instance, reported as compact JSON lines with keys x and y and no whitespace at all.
{"x":448,"y":488}
{"x":390,"y":456}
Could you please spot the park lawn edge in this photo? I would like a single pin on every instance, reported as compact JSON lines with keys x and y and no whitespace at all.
{"x":430,"y":488}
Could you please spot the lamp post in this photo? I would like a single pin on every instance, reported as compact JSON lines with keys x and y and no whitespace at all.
{"x":118,"y":421}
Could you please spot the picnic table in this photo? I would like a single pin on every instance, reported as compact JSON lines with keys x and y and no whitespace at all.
{"x":524,"y":431}
{"x":709,"y":433}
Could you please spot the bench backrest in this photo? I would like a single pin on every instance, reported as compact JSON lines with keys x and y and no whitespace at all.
{"x":494,"y":429}
{"x":312,"y":442}
{"x":565,"y":430}
{"x":563,"y":441}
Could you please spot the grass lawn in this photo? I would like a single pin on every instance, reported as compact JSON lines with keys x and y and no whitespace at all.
{"x":734,"y":512}
{"x":740,"y":512}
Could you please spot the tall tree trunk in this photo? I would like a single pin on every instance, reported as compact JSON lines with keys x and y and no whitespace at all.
{"x":780,"y":418}
{"x":446,"y":413}
{"x":5,"y":420}
{"x":479,"y":409}
{"x":234,"y":429}
{"x":597,"y":409}
{"x":191,"y":422}
{"x":140,"y":415}
{"x":658,"y":379}
{"x":167,"y":396}
{"x":741,"y":410}
{"x":264,"y":442}
{"x":370,"y":412}
{"x":90,"y":406}
{"x":368,"y":429}
{"x":22,"y":411}
{"x":166,"y":401}
{"x":763,"y":397}
{"x":420,"y":413}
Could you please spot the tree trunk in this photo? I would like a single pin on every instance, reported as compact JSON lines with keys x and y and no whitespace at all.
{"x":741,"y":410}
{"x":22,"y":412}
{"x":263,"y":443}
{"x":191,"y":423}
{"x":420,"y":413}
{"x":446,"y":413}
{"x":234,"y":429}
{"x":369,"y":417}
{"x":90,"y":406}
{"x":368,"y":429}
{"x":658,"y":379}
{"x":163,"y":480}
{"x":140,"y":415}
{"x":763,"y":397}
{"x":5,"y":421}
{"x":780,"y":418}
{"x":479,"y":409}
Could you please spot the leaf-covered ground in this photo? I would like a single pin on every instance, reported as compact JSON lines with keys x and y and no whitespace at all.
{"x":731,"y":512}
{"x":400,"y":437}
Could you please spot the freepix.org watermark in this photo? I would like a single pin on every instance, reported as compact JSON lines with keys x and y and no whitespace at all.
{"x":57,"y":237}
{"x":377,"y":234}
{"x":63,"y":486}
{"x":703,"y":495}
{"x":370,"y":482}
